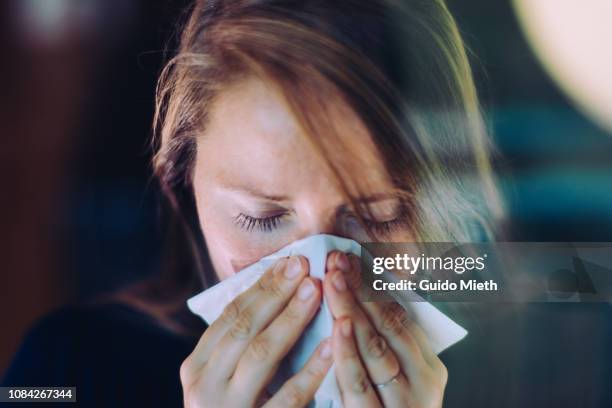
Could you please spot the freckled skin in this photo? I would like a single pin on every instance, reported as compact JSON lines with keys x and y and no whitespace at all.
{"x":260,"y":185}
{"x":253,"y":140}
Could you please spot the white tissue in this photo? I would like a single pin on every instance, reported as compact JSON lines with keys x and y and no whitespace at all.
{"x":441,"y":331}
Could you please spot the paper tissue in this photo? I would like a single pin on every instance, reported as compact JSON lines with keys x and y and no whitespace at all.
{"x":441,"y":331}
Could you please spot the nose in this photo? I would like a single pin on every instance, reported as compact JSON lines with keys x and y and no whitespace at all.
{"x":318,"y":221}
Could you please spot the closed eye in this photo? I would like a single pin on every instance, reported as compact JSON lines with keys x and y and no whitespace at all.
{"x":383,"y":228}
{"x":265,"y":224}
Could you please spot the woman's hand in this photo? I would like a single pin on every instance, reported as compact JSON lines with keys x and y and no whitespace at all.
{"x":382,"y":358}
{"x":239,"y":353}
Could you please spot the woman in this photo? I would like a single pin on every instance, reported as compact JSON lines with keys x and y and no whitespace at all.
{"x":277,"y":120}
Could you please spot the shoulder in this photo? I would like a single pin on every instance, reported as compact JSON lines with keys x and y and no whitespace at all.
{"x":108,"y":349}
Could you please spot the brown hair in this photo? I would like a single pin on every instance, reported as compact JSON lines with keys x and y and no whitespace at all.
{"x":400,"y":65}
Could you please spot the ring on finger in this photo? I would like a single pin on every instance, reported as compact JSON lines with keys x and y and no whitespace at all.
{"x":392,"y":380}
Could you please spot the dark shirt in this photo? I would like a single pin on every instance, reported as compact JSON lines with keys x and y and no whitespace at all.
{"x":548,"y":355}
{"x":115,"y":355}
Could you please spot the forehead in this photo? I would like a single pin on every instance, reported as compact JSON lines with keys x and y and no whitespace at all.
{"x":252,"y":128}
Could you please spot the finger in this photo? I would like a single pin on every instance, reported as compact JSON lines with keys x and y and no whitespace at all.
{"x":270,"y":296}
{"x":411,"y":345}
{"x":403,"y":335}
{"x":351,"y":375}
{"x":388,"y":314}
{"x":380,"y":362}
{"x":301,"y":388}
{"x":395,"y":392}
{"x":263,"y":355}
{"x":208,"y":341}
{"x":217,"y":330}
{"x":349,"y":264}
{"x":391,"y":316}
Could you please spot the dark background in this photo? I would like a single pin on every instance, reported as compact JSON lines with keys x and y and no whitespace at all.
{"x":78,"y":209}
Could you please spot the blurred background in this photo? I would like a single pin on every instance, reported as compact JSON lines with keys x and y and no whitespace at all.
{"x":79,"y":211}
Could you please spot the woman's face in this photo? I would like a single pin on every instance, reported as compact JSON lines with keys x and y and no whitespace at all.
{"x":261,"y":185}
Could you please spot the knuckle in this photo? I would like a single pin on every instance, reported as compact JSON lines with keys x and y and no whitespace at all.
{"x":270,"y":287}
{"x":391,"y":321}
{"x":360,"y":383}
{"x":442,"y":371}
{"x":185,"y":371}
{"x":392,"y":327}
{"x":231,"y":312}
{"x":353,"y":307}
{"x":350,"y":307}
{"x":405,"y":320}
{"x":411,"y":342}
{"x":292,"y":313}
{"x":292,"y":396}
{"x":276,"y":291}
{"x":277,"y":267}
{"x":314,"y":371}
{"x":376,"y":346}
{"x":394,"y":309}
{"x":264,"y":282}
{"x":259,"y":349}
{"x":242,"y":326}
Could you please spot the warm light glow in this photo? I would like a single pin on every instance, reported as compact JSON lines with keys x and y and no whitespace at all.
{"x":573,"y":40}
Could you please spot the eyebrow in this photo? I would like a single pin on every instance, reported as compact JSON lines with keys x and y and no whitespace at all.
{"x":279,"y":198}
{"x":255,"y":193}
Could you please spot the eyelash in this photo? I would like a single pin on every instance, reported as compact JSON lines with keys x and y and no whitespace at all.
{"x":387,"y":227}
{"x":267,"y":224}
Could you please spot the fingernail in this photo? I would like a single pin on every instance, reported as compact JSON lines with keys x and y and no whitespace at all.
{"x":326,"y":349}
{"x":338,"y":281}
{"x":294,"y":267}
{"x":306,"y":290}
{"x":342,"y":262}
{"x":346,"y":328}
